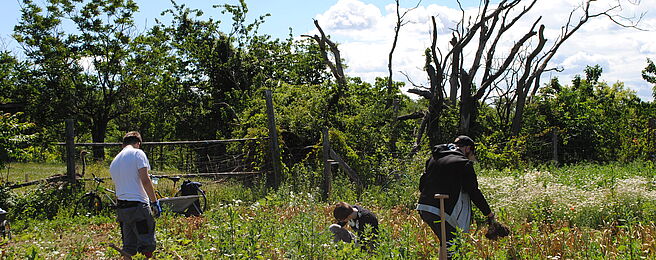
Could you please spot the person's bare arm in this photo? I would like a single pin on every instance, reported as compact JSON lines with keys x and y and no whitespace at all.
{"x":147,"y":184}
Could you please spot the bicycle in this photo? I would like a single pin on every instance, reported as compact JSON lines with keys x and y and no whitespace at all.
{"x":90,"y":203}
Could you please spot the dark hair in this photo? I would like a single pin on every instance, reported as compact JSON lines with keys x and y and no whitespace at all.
{"x":132,"y":137}
{"x":342,"y":210}
{"x":464,"y":140}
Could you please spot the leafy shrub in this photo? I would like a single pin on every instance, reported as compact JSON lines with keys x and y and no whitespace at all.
{"x":45,"y":201}
{"x":496,"y":154}
{"x":13,"y":136}
{"x":6,"y":198}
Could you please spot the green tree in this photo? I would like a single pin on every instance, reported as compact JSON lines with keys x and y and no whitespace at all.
{"x":12,"y":75}
{"x":359,"y":131}
{"x":649,"y":74}
{"x":594,"y":121}
{"x":83,"y":73}
{"x":200,"y":78}
{"x":14,"y":135}
{"x":210,"y":73}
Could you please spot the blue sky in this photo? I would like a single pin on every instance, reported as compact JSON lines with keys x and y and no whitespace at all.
{"x":363,"y":28}
{"x":297,"y":14}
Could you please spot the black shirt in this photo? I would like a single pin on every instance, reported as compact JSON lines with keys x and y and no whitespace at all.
{"x":364,"y":221}
{"x":365,"y":224}
{"x":447,"y":172}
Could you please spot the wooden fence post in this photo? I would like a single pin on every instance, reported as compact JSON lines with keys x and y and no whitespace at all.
{"x":273,"y":180}
{"x":349,"y":171}
{"x":327,"y":171}
{"x":651,"y":139}
{"x":70,"y":150}
{"x":554,"y":141}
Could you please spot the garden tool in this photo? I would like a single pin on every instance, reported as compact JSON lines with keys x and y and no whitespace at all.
{"x":441,"y":197}
{"x":120,"y":251}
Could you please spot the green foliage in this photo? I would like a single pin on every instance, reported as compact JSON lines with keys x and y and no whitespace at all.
{"x":15,"y":137}
{"x":202,"y":80}
{"x":13,"y":75}
{"x":494,"y":152}
{"x":359,"y":132}
{"x":592,"y":120}
{"x":82,"y":74}
{"x":573,"y":211}
{"x":649,"y":74}
{"x":45,"y":202}
{"x":6,"y":198}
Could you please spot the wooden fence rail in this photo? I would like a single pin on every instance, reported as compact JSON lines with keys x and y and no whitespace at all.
{"x":273,"y":178}
{"x":172,"y":142}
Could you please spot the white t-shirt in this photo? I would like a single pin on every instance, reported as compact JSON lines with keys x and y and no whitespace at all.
{"x":125,"y":174}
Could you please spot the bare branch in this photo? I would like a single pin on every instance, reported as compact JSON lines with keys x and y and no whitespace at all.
{"x":510,"y":57}
{"x":336,"y":68}
{"x":397,"y":29}
{"x":407,"y":77}
{"x":422,"y":93}
{"x":415,"y":115}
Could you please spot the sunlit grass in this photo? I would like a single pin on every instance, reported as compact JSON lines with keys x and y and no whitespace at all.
{"x":23,"y":172}
{"x":599,"y":212}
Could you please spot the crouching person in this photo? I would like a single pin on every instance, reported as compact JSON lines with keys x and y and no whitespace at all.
{"x":341,"y":234}
{"x":137,"y":205}
{"x":361,"y":220}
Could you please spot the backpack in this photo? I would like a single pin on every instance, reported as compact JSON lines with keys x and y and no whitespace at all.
{"x":192,"y":188}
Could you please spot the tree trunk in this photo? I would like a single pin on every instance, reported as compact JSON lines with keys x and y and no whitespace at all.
{"x":467,"y":104}
{"x":468,"y":113}
{"x":433,"y":130}
{"x":455,"y":68}
{"x":394,"y":131}
{"x":519,"y":112}
{"x":98,"y":132}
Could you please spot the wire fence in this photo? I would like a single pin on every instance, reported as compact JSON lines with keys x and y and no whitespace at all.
{"x":199,"y":158}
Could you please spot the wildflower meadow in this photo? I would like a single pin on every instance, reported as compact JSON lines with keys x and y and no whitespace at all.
{"x":571,"y":212}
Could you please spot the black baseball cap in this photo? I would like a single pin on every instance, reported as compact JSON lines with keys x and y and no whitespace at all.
{"x":464,"y":140}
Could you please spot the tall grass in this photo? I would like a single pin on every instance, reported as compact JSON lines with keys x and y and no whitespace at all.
{"x":598,"y":212}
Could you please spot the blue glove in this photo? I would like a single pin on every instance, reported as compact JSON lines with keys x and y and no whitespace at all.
{"x":156,"y":208}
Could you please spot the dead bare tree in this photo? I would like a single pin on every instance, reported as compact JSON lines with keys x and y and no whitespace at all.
{"x":534,"y":68}
{"x":435,"y":94}
{"x":335,"y":65}
{"x":391,"y":89}
{"x":485,"y":68}
{"x":400,"y":22}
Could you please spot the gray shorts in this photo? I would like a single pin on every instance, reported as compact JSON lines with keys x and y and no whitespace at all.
{"x":137,"y":228}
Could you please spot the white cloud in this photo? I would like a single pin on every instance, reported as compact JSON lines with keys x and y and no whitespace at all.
{"x":350,"y":17}
{"x":87,"y":64}
{"x":365,"y":35}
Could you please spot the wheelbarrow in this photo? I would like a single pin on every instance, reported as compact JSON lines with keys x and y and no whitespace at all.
{"x":179,"y":204}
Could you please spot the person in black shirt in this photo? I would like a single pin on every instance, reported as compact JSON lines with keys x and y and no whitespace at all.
{"x":361,"y":220}
{"x":450,"y":171}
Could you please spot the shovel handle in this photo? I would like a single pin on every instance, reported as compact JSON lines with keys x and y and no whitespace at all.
{"x":123,"y":253}
{"x":441,"y":197}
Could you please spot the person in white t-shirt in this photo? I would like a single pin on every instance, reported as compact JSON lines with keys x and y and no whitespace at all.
{"x":137,"y":205}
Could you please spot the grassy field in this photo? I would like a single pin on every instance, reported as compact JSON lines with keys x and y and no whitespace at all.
{"x":573,"y":212}
{"x":22,"y":172}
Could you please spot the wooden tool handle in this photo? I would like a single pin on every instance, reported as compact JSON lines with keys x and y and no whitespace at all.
{"x":442,"y":197}
{"x":123,"y":253}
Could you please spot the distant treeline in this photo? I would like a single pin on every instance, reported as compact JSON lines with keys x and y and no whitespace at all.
{"x":187,"y":79}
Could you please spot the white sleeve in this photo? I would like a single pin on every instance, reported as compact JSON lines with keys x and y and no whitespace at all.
{"x":142,"y":160}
